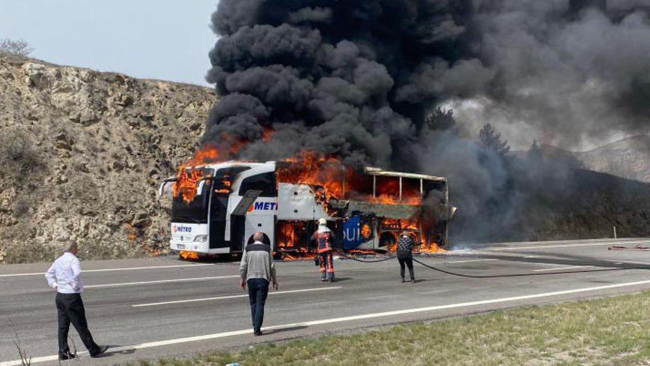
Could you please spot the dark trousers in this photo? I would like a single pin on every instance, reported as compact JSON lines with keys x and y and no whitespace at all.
{"x":408,"y":260}
{"x":258,"y":290}
{"x":326,"y":262}
{"x":70,"y":309}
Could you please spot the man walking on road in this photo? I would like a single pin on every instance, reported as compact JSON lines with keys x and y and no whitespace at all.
{"x":64,"y":276}
{"x":405,"y":246}
{"x":257,"y":270}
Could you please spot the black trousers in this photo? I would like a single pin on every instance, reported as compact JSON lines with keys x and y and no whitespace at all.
{"x":258,"y":290}
{"x":408,"y":261}
{"x":70,"y":309}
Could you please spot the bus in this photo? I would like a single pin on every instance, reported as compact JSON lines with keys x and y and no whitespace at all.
{"x":216,"y":208}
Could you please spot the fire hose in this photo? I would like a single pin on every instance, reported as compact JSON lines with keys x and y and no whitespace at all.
{"x":366,"y":261}
{"x":483,"y":276}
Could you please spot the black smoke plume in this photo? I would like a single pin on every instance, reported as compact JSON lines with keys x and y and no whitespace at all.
{"x":358,"y":78}
{"x":348,"y":78}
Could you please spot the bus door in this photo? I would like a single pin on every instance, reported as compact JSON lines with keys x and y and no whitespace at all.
{"x":221,"y":185}
{"x":260,"y":216}
{"x":238,"y":220}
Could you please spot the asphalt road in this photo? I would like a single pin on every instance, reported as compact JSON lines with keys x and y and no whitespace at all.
{"x":164,"y":307}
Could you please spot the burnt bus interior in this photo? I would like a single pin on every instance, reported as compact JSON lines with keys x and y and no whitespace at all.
{"x":378,"y":208}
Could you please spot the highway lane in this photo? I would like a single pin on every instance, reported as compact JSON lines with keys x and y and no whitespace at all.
{"x":366,"y":295}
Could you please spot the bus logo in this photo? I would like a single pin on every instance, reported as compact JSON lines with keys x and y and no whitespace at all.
{"x":263,"y":206}
{"x":182,"y":229}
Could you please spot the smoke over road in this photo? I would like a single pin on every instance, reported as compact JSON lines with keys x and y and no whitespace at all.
{"x":357,"y":79}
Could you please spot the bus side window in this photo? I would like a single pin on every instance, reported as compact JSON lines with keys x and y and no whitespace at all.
{"x":262,"y":182}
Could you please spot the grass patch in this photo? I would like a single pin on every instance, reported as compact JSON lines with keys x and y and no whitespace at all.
{"x":611,"y":331}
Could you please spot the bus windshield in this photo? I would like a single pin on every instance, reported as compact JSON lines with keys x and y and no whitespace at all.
{"x":196,"y":211}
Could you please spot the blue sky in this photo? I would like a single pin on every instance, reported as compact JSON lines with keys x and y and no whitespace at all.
{"x":158,"y":39}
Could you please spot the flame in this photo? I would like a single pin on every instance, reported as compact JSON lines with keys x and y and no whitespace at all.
{"x":331,"y":179}
{"x":432,"y":248}
{"x":190,"y":173}
{"x":189,"y":255}
{"x":267,"y":134}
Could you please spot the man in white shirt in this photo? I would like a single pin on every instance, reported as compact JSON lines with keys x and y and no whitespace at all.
{"x":64,"y":276}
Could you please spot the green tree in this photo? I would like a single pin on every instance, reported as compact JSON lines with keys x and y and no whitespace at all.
{"x":534,"y":153}
{"x":491,"y":140}
{"x":441,"y":119}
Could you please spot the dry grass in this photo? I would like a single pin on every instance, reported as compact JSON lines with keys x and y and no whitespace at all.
{"x":612,"y":331}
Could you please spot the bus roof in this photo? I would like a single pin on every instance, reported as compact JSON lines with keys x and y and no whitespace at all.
{"x":368,"y":170}
{"x":384,"y":173}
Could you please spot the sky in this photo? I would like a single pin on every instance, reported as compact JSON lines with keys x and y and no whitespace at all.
{"x":155,"y":39}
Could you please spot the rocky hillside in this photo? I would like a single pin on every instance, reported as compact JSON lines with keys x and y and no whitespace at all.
{"x":82,"y":153}
{"x":628,"y":158}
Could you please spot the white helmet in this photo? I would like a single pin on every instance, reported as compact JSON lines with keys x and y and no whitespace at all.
{"x":322,"y":221}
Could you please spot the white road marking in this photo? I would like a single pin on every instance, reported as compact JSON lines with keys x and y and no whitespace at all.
{"x":235,"y":296}
{"x":566,"y":245}
{"x":160,"y":281}
{"x":470,"y":261}
{"x":112,"y":269}
{"x":630,"y":262}
{"x":560,"y":268}
{"x":341,"y":320}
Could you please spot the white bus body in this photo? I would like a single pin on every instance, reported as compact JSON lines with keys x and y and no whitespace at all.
{"x":225,"y":213}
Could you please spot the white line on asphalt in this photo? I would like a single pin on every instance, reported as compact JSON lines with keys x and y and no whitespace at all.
{"x":112,"y":269}
{"x":235,"y":296}
{"x":161,"y":281}
{"x":470,"y":261}
{"x":630,"y":262}
{"x":564,"y":246}
{"x":560,"y":268}
{"x":340,"y":320}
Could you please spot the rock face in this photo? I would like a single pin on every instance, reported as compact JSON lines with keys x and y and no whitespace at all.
{"x":628,"y":158}
{"x":82,"y":154}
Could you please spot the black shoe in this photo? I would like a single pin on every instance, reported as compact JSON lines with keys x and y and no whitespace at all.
{"x":102,"y":350}
{"x":403,"y":280}
{"x":323,"y":279}
{"x":67,"y":356}
{"x":258,"y":333}
{"x":332,"y":279}
{"x":413,"y":280}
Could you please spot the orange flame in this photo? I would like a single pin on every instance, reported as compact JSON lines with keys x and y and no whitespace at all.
{"x":189,"y":255}
{"x":190,"y":174}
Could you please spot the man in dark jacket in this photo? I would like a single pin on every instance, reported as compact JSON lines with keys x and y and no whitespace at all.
{"x":405,"y":246}
{"x":257,"y":270}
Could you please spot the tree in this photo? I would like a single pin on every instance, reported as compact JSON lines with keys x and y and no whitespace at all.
{"x":491,"y":140}
{"x":440,"y":119}
{"x":16,"y":47}
{"x":534,"y":153}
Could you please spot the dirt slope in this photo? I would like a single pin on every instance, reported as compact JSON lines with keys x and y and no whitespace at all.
{"x":82,"y":154}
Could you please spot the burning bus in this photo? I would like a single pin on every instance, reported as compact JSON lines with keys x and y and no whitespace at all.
{"x":217,"y":207}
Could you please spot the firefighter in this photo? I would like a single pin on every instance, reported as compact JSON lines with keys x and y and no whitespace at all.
{"x":324,"y":238}
{"x":405,"y":246}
